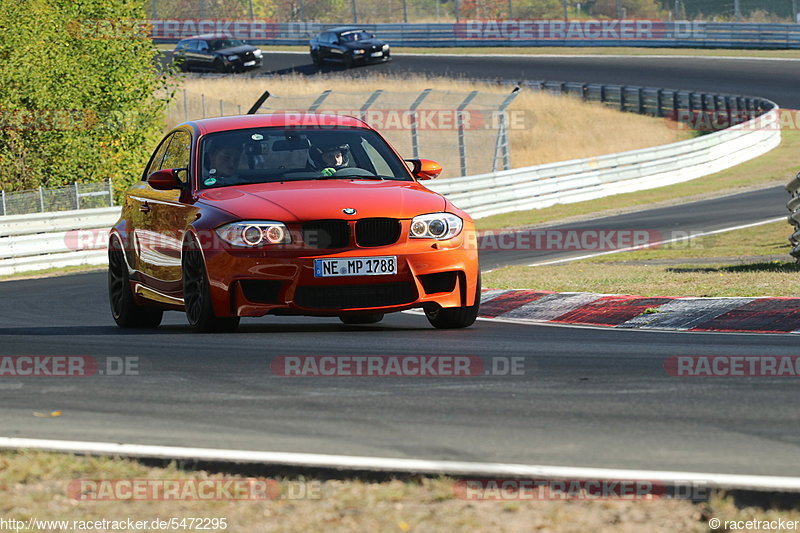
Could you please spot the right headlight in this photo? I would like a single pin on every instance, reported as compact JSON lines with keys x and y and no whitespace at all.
{"x":232,"y":58}
{"x":358,"y":52}
{"x":435,"y":226}
{"x":254,"y":233}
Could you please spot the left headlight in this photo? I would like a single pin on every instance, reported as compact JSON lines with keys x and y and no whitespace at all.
{"x":358,"y":52}
{"x":435,"y":226}
{"x":250,"y":234}
{"x":385,"y":47}
{"x":232,"y":58}
{"x":258,"y":53}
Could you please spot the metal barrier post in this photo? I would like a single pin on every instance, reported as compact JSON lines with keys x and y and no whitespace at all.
{"x":41,"y":199}
{"x":660,"y":103}
{"x":110,"y":193}
{"x":462,"y":148}
{"x":3,"y":195}
{"x":371,"y":100}
{"x":77,"y":197}
{"x":622,"y":98}
{"x":413,"y":110}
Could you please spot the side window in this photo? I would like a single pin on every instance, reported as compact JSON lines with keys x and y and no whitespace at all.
{"x":158,"y":157}
{"x":329,"y":38}
{"x":178,"y":153}
{"x":180,"y":46}
{"x":202,"y":46}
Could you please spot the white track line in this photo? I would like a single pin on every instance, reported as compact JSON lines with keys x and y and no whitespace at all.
{"x":348,"y":462}
{"x":659,"y":243}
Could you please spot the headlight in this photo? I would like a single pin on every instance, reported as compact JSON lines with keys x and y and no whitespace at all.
{"x":435,"y":226}
{"x":254,"y":233}
{"x":232,"y":58}
{"x":258,"y":53}
{"x":385,"y":47}
{"x":358,"y":52}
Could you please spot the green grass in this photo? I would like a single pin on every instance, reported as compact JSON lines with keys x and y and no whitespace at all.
{"x":774,"y":168}
{"x":749,"y":262}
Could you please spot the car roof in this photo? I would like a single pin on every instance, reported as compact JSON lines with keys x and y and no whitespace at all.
{"x":266,"y":120}
{"x":344,"y":29}
{"x":208,"y":36}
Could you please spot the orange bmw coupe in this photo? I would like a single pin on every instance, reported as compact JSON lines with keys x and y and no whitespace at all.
{"x":288,"y":214}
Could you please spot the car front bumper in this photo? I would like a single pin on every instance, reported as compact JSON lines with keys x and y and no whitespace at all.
{"x":256,"y":283}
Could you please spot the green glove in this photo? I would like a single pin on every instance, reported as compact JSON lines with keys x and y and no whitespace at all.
{"x":328,"y":171}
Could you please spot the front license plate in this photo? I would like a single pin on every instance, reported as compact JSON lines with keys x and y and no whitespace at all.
{"x":376,"y":54}
{"x":355,"y":266}
{"x":249,"y":63}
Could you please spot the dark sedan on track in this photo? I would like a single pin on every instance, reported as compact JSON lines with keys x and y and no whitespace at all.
{"x":348,"y":45}
{"x":216,"y":53}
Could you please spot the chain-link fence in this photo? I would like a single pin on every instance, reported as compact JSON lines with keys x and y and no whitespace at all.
{"x":466,"y":132}
{"x":74,"y":196}
{"x":429,"y":11}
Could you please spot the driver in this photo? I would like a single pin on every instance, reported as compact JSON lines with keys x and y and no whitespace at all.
{"x":331,"y":157}
{"x":223,"y":161}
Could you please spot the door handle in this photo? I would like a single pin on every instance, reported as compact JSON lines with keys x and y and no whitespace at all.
{"x":144,"y":208}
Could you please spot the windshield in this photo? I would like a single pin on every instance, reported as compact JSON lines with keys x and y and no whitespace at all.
{"x":355,"y":36}
{"x":264,"y":155}
{"x":221,"y":44}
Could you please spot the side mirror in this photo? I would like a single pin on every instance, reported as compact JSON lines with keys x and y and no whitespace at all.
{"x":425,"y":169}
{"x":165,"y":179}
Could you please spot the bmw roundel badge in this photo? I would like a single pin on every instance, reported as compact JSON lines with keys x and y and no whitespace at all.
{"x":349,"y":211}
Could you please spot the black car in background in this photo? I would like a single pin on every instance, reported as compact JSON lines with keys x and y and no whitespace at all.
{"x":348,"y":45}
{"x":215,"y":52}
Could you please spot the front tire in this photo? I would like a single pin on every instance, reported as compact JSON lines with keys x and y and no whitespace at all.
{"x":197,"y":295}
{"x":361,"y":318}
{"x":455,"y":317}
{"x":315,"y":58}
{"x":219,"y":66}
{"x":124,"y":309}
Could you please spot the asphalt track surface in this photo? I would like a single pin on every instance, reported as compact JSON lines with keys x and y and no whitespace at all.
{"x":587,"y":397}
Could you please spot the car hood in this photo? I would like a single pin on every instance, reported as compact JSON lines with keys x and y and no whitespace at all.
{"x":315,"y":200}
{"x":368,"y":43}
{"x":236,"y":49}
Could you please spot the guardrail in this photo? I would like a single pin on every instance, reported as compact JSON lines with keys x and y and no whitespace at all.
{"x":54,"y":240}
{"x":756,"y":130}
{"x":48,"y":240}
{"x":479,"y":33}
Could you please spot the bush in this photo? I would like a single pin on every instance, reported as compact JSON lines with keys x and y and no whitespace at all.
{"x":80,"y":96}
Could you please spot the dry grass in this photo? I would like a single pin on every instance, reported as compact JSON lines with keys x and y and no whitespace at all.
{"x":34,"y":485}
{"x":545,"y":128}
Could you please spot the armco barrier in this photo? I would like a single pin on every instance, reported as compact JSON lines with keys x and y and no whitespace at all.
{"x":480,"y":33}
{"x":595,"y":177}
{"x":48,"y":240}
{"x":53,"y":240}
